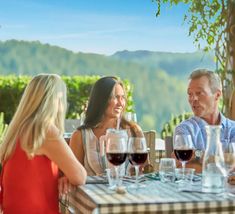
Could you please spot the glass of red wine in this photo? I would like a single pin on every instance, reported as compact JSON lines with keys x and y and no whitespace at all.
{"x":183,"y":149}
{"x":137,"y":155}
{"x":116,"y":152}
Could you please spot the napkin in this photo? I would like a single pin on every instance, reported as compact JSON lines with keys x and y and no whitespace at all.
{"x":96,"y":180}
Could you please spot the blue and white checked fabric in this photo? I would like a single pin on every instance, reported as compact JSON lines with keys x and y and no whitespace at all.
{"x":156,"y":197}
{"x":195,"y":126}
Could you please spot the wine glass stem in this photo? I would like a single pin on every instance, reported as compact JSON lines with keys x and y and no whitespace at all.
{"x":117,"y":175}
{"x":136,"y":175}
{"x":226,"y":185}
{"x":183,"y":167}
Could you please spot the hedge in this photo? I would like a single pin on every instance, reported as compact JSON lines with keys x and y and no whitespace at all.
{"x":79,"y":87}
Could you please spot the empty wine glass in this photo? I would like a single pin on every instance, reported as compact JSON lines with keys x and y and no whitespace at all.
{"x":131,"y":116}
{"x":229,"y":166}
{"x":137,"y":155}
{"x":183,"y":149}
{"x":116,"y":152}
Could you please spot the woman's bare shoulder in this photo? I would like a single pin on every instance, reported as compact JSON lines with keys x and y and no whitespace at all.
{"x":135,"y":129}
{"x":76,"y":139}
{"x":76,"y":144}
{"x":76,"y":134}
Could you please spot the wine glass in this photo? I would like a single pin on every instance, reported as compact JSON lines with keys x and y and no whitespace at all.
{"x":116,"y":152}
{"x":131,"y":116}
{"x":137,"y":155}
{"x":183,"y":149}
{"x":229,"y":166}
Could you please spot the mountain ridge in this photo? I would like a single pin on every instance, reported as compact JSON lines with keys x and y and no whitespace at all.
{"x":159,"y":79}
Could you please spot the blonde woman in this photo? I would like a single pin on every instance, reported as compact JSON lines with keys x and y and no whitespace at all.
{"x":33,"y":150}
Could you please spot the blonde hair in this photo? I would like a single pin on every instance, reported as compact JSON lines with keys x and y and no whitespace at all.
{"x":43,"y":103}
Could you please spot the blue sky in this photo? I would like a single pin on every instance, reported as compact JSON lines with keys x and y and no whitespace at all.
{"x":96,"y":26}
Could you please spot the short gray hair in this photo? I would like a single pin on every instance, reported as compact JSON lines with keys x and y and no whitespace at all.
{"x":214,"y":79}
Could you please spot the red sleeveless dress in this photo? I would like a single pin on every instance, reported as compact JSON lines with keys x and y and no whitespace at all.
{"x":29,"y":185}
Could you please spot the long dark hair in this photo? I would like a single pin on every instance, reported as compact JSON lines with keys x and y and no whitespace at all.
{"x":98,"y":102}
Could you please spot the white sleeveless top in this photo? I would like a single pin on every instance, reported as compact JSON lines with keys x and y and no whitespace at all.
{"x":94,"y":163}
{"x":92,"y":158}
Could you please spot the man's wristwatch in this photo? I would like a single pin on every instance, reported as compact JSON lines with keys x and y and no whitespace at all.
{"x":198,"y":154}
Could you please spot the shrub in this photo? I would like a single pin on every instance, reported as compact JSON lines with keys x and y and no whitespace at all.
{"x":3,"y":126}
{"x":79,"y":87}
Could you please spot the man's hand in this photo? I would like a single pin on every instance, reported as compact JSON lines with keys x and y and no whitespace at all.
{"x":195,"y":163}
{"x":192,"y":163}
{"x":178,"y":163}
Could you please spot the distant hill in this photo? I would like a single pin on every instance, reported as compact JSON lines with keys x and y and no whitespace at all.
{"x":159,"y":78}
{"x":176,"y":64}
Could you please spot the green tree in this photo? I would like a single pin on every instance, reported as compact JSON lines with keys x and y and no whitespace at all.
{"x":147,"y":121}
{"x":213,"y":22}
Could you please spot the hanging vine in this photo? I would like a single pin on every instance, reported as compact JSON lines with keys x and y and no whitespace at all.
{"x":211,"y":23}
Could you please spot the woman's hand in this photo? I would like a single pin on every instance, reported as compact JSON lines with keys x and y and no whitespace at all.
{"x":63,"y":185}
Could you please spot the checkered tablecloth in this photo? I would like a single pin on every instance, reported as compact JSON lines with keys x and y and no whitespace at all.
{"x":156,"y":197}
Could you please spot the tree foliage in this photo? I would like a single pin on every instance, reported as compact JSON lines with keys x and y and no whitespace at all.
{"x":207,"y":22}
{"x":211,"y":23}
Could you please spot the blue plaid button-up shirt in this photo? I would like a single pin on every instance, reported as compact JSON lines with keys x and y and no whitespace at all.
{"x":195,"y":126}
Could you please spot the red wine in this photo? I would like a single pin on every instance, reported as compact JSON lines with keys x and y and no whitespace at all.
{"x":116,"y":158}
{"x":137,"y":158}
{"x":183,"y":154}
